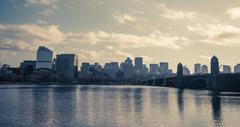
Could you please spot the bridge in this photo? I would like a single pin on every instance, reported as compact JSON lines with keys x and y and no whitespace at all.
{"x":212,"y":81}
{"x":222,"y":82}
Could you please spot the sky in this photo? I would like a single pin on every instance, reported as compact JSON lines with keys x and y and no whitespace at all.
{"x":186,"y":31}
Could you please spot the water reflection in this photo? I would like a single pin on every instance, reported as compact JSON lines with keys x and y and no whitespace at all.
{"x":180,"y":101}
{"x":216,"y":109}
{"x":40,"y":109}
{"x":110,"y":106}
{"x":138,"y":105}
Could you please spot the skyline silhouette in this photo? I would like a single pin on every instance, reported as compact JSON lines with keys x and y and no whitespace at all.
{"x":105,"y":30}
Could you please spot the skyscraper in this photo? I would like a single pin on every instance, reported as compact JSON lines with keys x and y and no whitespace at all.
{"x":139,"y":65}
{"x":44,"y":58}
{"x":111,"y":69}
{"x":67,"y":66}
{"x":186,"y":70}
{"x":197,"y":68}
{"x":85,"y":70}
{"x":154,"y":69}
{"x":127,"y":68}
{"x":214,"y":66}
{"x":163,"y":68}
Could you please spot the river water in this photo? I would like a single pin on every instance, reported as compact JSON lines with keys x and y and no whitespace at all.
{"x":115,"y":106}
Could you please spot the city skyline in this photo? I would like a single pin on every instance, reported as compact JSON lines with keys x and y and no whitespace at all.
{"x":45,"y":55}
{"x":104,"y":30}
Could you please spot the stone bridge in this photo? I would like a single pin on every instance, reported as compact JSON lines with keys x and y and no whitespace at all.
{"x":228,"y":82}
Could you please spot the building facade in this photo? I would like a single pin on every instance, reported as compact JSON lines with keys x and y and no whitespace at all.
{"x":154,"y":69}
{"x":44,"y":58}
{"x":67,"y":66}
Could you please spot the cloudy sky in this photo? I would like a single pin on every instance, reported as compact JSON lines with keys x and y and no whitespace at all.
{"x":187,"y":31}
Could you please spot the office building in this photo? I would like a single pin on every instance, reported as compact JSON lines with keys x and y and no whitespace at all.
{"x":85,"y":70}
{"x":204,"y":69}
{"x":139,"y":65}
{"x":226,"y":69}
{"x":67,"y":66}
{"x":27,"y":68}
{"x":145,"y":69}
{"x":44,"y":58}
{"x":197,"y":68}
{"x":237,"y":68}
{"x":214,"y":66}
{"x":111,"y":69}
{"x":163,"y":68}
{"x":127,"y":68}
{"x":154,"y":69}
{"x":186,"y":70}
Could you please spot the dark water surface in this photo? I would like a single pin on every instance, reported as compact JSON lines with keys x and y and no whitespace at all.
{"x":115,"y":106}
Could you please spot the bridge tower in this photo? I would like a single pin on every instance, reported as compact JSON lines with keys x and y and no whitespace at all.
{"x":214,"y":73}
{"x":179,"y":78}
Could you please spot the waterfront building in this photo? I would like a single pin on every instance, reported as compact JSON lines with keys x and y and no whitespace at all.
{"x":27,"y":68}
{"x":154,"y":69}
{"x":237,"y":68}
{"x":111,"y":69}
{"x":214,"y":66}
{"x":139,"y":65}
{"x":186,"y":70}
{"x":44,"y":58}
{"x":197,"y":68}
{"x":145,"y":69}
{"x":67,"y":66}
{"x":204,"y":69}
{"x":164,"y":68}
{"x":226,"y":69}
{"x":85,"y":70}
{"x":127,"y":68}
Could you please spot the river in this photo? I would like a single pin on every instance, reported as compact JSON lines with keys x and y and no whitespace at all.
{"x":115,"y":106}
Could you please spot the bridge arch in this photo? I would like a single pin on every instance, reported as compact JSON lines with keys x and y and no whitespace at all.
{"x":198,"y":83}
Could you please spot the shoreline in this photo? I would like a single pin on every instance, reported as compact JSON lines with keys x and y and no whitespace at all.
{"x":80,"y":84}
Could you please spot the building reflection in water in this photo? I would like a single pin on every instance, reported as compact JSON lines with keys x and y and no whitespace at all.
{"x":138,"y":105}
{"x":64,"y":101}
{"x":216,"y":109}
{"x":180,"y":102}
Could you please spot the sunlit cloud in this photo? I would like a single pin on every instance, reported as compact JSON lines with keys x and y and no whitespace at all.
{"x":234,"y":13}
{"x":27,"y":36}
{"x":41,"y":2}
{"x":120,"y":40}
{"x":175,"y":14}
{"x":124,"y":18}
{"x":205,"y":57}
{"x":218,"y":34}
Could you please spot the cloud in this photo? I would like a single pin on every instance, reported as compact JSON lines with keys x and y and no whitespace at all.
{"x":95,"y":2}
{"x":101,"y":56}
{"x":234,"y":13}
{"x":41,"y":2}
{"x":124,"y":41}
{"x":205,"y":57}
{"x":124,"y":18}
{"x":27,"y":36}
{"x":218,"y":34}
{"x":48,"y":6}
{"x":46,"y":12}
{"x":175,"y":14}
